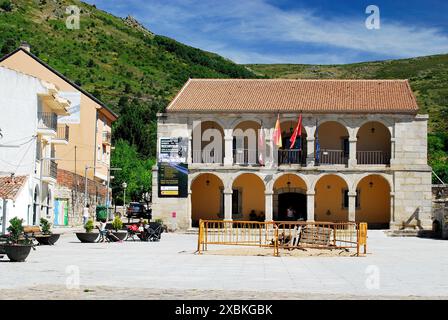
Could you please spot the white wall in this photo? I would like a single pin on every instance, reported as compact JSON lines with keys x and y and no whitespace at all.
{"x":18,"y":120}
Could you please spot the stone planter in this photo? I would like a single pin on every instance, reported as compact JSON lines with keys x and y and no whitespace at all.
{"x":120,"y":234}
{"x":48,"y":240}
{"x":17,"y":252}
{"x":87,"y":237}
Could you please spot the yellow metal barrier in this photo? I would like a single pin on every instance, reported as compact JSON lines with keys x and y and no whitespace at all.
{"x":283,"y":234}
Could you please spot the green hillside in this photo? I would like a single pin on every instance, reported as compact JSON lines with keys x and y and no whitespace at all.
{"x":132,"y":70}
{"x":428,"y":77}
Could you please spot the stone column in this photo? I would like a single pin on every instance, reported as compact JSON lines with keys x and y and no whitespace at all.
{"x":352,"y":206}
{"x":269,"y":206}
{"x":228,"y":205}
{"x":228,"y":147}
{"x":310,"y":156}
{"x":392,"y":151}
{"x":189,"y":212}
{"x":352,"y":160}
{"x":310,"y":206}
{"x":392,"y":209}
{"x":190,"y":148}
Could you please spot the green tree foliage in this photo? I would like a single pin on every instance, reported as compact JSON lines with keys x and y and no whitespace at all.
{"x":135,"y":171}
{"x":6,"y":5}
{"x":438,"y":155}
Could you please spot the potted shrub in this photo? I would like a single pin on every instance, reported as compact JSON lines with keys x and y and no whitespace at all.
{"x":47,"y":237}
{"x":117,"y":225}
{"x":17,"y":246}
{"x":88,"y":236}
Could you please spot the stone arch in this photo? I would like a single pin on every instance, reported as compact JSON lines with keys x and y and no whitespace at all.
{"x":330,"y":192}
{"x":271,"y":183}
{"x":374,"y":201}
{"x":381,"y":121}
{"x":248,"y":197}
{"x":206,"y":197}
{"x":347,"y":179}
{"x":374,"y":143}
{"x":233,"y":124}
{"x":289,"y":190}
{"x":386,"y":177}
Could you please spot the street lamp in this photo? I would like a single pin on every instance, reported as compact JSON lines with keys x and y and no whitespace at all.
{"x":85,"y":183}
{"x":108,"y":186}
{"x":124,"y":185}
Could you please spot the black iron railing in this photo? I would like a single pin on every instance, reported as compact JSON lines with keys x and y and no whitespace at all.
{"x":291,"y":156}
{"x":49,"y":168}
{"x":63,"y":132}
{"x":47,"y":120}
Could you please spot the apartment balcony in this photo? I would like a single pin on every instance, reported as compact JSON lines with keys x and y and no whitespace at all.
{"x":372,"y":157}
{"x":245,"y":156}
{"x":47,"y":123}
{"x":328,"y":157}
{"x":291,"y":156}
{"x":107,"y":137}
{"x":49,"y":170}
{"x":62,"y":134}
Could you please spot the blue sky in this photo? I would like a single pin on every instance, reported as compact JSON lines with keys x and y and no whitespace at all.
{"x":295,"y":31}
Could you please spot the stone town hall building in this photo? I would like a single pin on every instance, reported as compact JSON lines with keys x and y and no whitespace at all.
{"x":370,"y":164}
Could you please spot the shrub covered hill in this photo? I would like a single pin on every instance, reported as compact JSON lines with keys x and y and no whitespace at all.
{"x":137,"y":73}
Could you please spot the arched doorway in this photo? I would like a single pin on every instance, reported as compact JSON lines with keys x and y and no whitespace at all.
{"x":373,"y":145}
{"x":206,"y":198}
{"x":296,"y":154}
{"x":333,"y":139}
{"x":331,"y":199}
{"x":290,"y":192}
{"x":248,"y":198}
{"x":35,"y":205}
{"x":374,"y":202}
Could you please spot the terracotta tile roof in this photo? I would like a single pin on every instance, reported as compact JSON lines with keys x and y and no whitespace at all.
{"x":272,"y":95}
{"x":10,"y":187}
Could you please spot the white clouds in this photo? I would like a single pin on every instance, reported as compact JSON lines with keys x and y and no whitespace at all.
{"x":244,"y":30}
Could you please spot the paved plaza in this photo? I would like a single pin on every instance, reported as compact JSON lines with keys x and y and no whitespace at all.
{"x":407,"y":268}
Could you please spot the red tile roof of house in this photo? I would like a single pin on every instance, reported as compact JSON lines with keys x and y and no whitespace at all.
{"x":308,"y":96}
{"x":11,"y":186}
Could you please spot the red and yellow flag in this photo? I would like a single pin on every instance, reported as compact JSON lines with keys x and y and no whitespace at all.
{"x":277,"y":136}
{"x":297,"y":133}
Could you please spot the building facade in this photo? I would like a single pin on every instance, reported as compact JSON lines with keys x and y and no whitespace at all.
{"x":361,"y":155}
{"x":86,"y":147}
{"x":29,"y":109}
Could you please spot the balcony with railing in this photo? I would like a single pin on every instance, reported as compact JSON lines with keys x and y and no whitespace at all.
{"x":245,"y":156}
{"x":49,"y":170}
{"x":372,"y":157}
{"x":107,"y":137}
{"x":291,"y":156}
{"x":201,"y":156}
{"x":62,"y":134}
{"x":47,"y":121}
{"x":332,"y":157}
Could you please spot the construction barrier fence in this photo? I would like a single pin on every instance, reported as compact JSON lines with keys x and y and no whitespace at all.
{"x":283,"y":234}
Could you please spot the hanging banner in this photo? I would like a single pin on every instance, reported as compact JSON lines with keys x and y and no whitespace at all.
{"x":173,"y":180}
{"x":173,"y":150}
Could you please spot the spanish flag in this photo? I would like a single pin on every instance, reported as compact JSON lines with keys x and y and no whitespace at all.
{"x":277,"y":136}
{"x":297,"y":132}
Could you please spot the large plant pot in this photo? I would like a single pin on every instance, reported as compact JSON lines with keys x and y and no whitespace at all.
{"x":17,"y":252}
{"x":87,"y":237}
{"x":48,"y":240}
{"x":120,"y":234}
